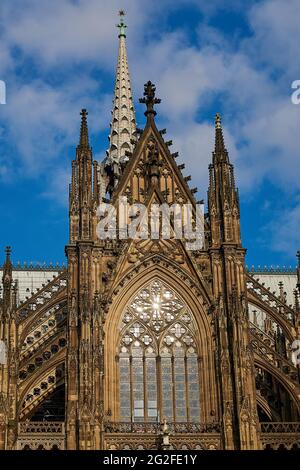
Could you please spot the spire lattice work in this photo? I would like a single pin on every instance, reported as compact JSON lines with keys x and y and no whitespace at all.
{"x":123,"y":125}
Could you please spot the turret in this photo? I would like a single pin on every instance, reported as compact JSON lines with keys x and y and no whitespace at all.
{"x":223,"y":200}
{"x":84,"y":187}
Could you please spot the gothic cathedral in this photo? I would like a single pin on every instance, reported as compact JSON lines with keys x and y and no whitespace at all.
{"x":142,"y":343}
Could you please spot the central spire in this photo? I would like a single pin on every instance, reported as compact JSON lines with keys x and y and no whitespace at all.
{"x":123,"y":125}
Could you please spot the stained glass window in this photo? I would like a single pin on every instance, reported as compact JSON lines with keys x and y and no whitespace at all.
{"x":158,"y":358}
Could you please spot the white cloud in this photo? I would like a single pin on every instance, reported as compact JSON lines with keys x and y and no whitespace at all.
{"x":283,"y":230}
{"x":261,"y":122}
{"x":56,"y":189}
{"x":276,"y":34}
{"x":249,"y":78}
{"x":41,"y":120}
{"x":61,"y":30}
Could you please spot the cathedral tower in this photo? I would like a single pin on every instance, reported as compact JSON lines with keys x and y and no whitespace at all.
{"x":236,"y":367}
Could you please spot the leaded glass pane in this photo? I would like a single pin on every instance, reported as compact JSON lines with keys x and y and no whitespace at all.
{"x":193,"y":387}
{"x":180,"y":398}
{"x":167,"y":388}
{"x":151,"y":388}
{"x":138,"y":388}
{"x":158,"y":323}
{"x":125,"y":410}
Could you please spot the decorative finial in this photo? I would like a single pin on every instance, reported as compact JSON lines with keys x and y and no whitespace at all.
{"x":149,"y":98}
{"x":122,"y":26}
{"x":7,"y":271}
{"x":8,"y":251}
{"x":84,"y":134}
{"x":218,"y":121}
{"x":220,"y":149}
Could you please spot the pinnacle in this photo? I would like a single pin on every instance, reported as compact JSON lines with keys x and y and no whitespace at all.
{"x":220,"y":149}
{"x":8,"y":264}
{"x":84,"y":134}
{"x":218,"y":121}
{"x":8,"y":252}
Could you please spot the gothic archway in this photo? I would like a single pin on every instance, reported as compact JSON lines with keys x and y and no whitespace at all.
{"x":158,"y":358}
{"x":182,"y":337}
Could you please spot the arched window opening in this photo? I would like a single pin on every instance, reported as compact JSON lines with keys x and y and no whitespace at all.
{"x":158,"y":358}
{"x":279,"y":401}
{"x":52,"y":408}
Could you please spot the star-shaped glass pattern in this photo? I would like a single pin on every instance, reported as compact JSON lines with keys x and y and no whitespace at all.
{"x":157,"y":311}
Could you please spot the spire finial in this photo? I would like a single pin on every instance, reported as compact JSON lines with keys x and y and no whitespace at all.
{"x":84,"y":134}
{"x":218,"y":121}
{"x":149,"y":98}
{"x":122,"y":26}
{"x":220,"y":149}
{"x":8,"y":252}
{"x":7,"y":271}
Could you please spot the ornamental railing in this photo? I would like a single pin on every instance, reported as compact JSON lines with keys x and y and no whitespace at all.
{"x":271,"y":269}
{"x":284,"y":427}
{"x":155,"y":428}
{"x":41,"y":427}
{"x":51,"y":267}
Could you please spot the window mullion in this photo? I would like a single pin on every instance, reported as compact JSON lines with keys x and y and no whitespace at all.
{"x":187,"y":397}
{"x":131,"y":389}
{"x":145,"y":388}
{"x":158,"y":388}
{"x":173,"y":388}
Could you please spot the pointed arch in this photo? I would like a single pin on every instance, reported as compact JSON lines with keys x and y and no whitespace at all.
{"x":267,"y":410}
{"x":125,"y":146}
{"x":204,"y":355}
{"x":37,"y":380}
{"x":159,"y":373}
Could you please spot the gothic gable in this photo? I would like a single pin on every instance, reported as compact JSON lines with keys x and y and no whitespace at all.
{"x":152,"y":161}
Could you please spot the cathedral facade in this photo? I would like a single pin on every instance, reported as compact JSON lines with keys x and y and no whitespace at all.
{"x":142,"y":343}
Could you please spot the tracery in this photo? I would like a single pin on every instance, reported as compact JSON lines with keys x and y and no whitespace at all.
{"x":158,"y":358}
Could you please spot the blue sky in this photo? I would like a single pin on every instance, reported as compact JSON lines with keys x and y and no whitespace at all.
{"x":235,"y":57}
